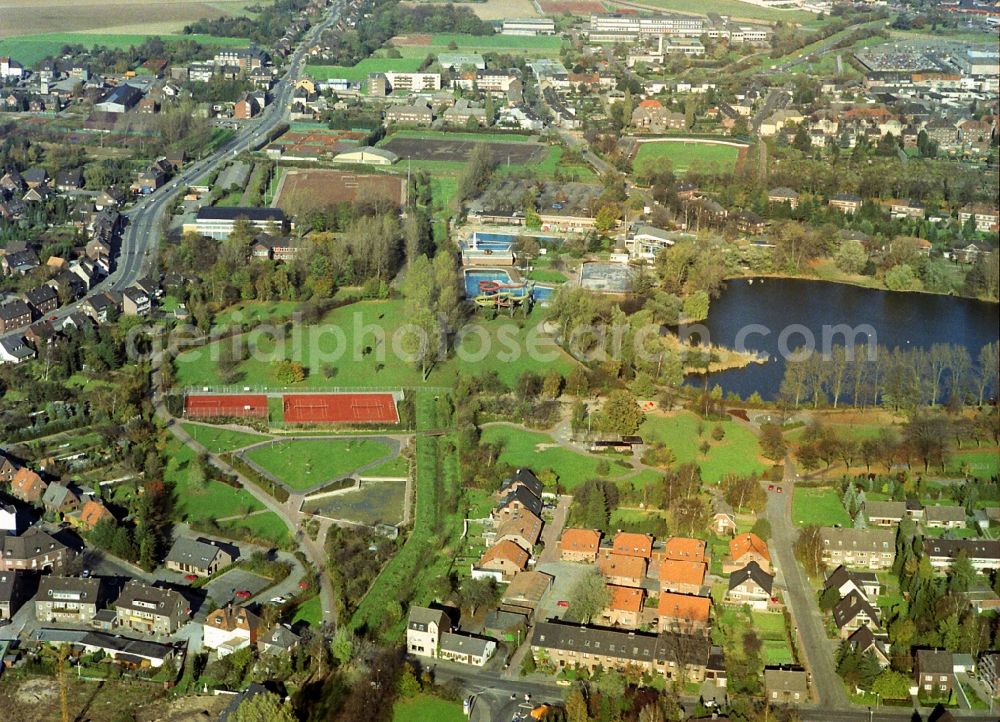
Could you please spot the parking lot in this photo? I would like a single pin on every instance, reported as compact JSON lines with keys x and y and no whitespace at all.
{"x":222,"y":589}
{"x":566,"y":574}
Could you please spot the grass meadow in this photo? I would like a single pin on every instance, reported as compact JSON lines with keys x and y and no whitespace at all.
{"x":737,"y":453}
{"x":219,"y":440}
{"x":821,"y":506}
{"x":30,"y":49}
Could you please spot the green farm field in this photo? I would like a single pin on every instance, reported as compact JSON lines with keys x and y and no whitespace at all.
{"x":317,"y":347}
{"x":303,"y":463}
{"x":737,"y":453}
{"x":544,"y":46}
{"x":820,"y":506}
{"x":360,"y":71}
{"x":687,"y":155}
{"x":732,"y":8}
{"x":29,"y":49}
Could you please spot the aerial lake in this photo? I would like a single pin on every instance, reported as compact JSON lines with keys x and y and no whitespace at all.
{"x":906,"y":320}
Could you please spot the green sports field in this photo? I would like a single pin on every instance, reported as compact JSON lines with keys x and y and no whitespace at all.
{"x":304,"y":463}
{"x":687,"y":155}
{"x":424,"y":707}
{"x":29,"y":49}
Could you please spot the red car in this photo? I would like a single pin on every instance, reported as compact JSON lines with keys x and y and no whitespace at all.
{"x":190,"y":577}
{"x":243,"y":594}
{"x":770,"y":487}
{"x":562,"y":603}
{"x":303,"y":584}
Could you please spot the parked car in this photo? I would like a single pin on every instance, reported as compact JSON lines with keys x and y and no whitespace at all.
{"x":562,"y":603}
{"x":243,"y":594}
{"x":190,"y":577}
{"x":278,"y":600}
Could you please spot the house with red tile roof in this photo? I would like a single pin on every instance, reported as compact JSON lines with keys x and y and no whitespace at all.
{"x":505,"y":557}
{"x":27,"y":486}
{"x":625,"y":607}
{"x":746,"y":548}
{"x":621,"y":570}
{"x":685,"y":613}
{"x":633,"y":545}
{"x":682,"y":577}
{"x":579,"y":545}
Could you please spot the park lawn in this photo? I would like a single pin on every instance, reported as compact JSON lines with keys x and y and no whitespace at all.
{"x":520,"y":449}
{"x":393,"y":467}
{"x":821,"y":506}
{"x":30,"y":49}
{"x":546,"y":276}
{"x":854,"y":432}
{"x":424,"y":707}
{"x":310,"y":611}
{"x":978,"y":462}
{"x":267,"y":527}
{"x":254,"y":312}
{"x":737,"y":453}
{"x":511,"y":348}
{"x":218,"y":440}
{"x":684,"y":156}
{"x":360,"y":71}
{"x":209,"y":501}
{"x":305,"y":463}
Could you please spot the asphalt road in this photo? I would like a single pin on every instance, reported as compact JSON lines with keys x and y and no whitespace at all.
{"x":141,"y":236}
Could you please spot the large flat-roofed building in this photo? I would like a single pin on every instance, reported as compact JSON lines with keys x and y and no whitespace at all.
{"x":529,"y":26}
{"x":217,"y":222}
{"x":610,"y":26}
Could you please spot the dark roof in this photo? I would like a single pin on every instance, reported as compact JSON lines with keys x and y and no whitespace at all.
{"x":14,"y":310}
{"x":531,"y":502}
{"x":40,"y":294}
{"x":166,"y":601}
{"x":841,"y":575}
{"x":850,"y":607}
{"x":218,"y":213}
{"x":126,"y":95}
{"x":527,"y":478}
{"x":754,"y":572}
{"x":848,"y":197}
{"x":195,"y":552}
{"x":35,"y":175}
{"x":974,"y":548}
{"x":639,"y":646}
{"x":935,"y":661}
{"x":9,"y":581}
{"x":85,"y":590}
{"x":32,"y":543}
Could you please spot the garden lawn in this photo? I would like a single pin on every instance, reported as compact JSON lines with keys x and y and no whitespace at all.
{"x":737,"y":453}
{"x":353,"y":347}
{"x":684,"y":156}
{"x":423,"y":708}
{"x":267,"y":527}
{"x":776,"y":652}
{"x":207,"y":501}
{"x":304,"y":463}
{"x":310,"y":612}
{"x":521,"y":449}
{"x":820,"y":506}
{"x":218,"y":440}
{"x":360,"y":71}
{"x":769,"y":625}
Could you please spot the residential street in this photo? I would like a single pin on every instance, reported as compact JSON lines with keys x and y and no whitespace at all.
{"x":800,"y":598}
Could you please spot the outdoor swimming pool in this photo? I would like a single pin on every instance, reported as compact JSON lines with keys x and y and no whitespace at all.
{"x":473,"y":277}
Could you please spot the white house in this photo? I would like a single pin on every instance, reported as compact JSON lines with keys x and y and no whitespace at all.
{"x":8,"y":519}
{"x":424,"y":629}
{"x":229,"y":629}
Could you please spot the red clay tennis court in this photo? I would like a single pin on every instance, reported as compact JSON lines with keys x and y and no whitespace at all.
{"x":226,"y":405}
{"x":340,"y":408}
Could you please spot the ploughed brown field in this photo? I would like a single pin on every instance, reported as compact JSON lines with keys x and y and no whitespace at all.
{"x":31,"y":17}
{"x":301,"y":191}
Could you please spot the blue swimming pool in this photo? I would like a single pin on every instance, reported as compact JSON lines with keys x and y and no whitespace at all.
{"x":473,"y":277}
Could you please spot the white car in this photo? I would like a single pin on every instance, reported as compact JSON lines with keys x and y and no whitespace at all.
{"x":278,"y":600}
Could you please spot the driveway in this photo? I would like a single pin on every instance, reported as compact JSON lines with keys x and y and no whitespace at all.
{"x":801,"y":601}
{"x":553,"y":530}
